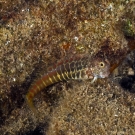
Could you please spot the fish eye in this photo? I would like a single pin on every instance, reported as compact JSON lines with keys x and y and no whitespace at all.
{"x":101,"y":64}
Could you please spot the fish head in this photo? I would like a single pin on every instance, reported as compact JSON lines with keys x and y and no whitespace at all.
{"x":100,"y":68}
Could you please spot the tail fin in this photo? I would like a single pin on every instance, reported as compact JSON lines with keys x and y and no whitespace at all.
{"x":29,"y":100}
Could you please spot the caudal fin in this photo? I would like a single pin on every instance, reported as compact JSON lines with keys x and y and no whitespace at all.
{"x":29,"y":100}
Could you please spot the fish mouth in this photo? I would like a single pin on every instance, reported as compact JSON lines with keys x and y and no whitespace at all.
{"x":104,"y":75}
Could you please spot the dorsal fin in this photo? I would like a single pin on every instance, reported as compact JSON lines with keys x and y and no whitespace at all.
{"x":62,"y":61}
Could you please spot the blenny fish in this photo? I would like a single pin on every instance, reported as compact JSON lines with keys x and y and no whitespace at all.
{"x":75,"y":68}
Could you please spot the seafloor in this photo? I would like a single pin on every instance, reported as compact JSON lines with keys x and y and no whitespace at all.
{"x":34,"y":34}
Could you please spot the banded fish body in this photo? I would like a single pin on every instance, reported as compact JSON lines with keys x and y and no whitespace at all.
{"x":77,"y":68}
